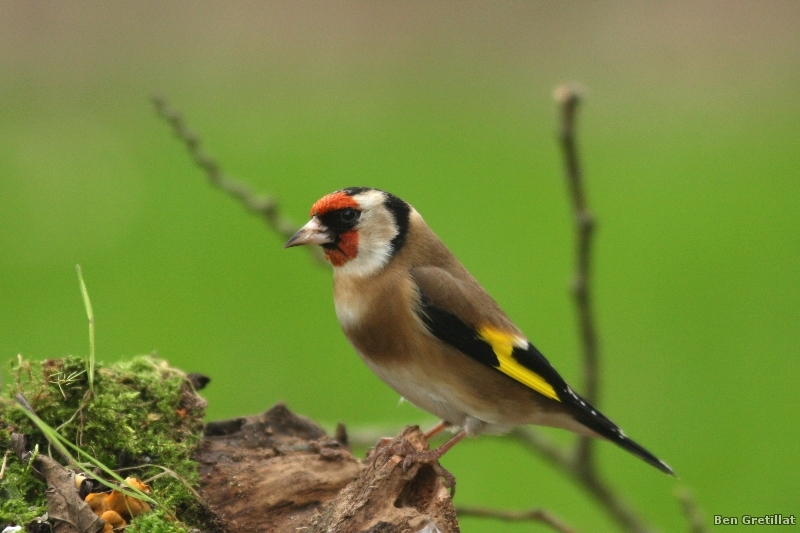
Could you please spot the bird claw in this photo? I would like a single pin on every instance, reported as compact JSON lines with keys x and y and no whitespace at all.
{"x":411,"y":456}
{"x":381,"y":449}
{"x":431,"y":458}
{"x":448,"y":479}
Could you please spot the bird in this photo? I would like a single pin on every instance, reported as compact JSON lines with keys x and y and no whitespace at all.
{"x":425,"y":326}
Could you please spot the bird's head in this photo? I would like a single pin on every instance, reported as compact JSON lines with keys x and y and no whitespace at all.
{"x":359,"y":228}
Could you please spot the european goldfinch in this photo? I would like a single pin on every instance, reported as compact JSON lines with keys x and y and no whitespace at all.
{"x":426,"y":327}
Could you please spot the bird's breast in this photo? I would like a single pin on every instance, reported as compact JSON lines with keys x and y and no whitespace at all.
{"x":377,"y":315}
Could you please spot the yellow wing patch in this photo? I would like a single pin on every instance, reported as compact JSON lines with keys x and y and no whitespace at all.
{"x":502,"y":344}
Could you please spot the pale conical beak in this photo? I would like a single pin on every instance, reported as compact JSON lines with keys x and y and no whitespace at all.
{"x":312,"y":233}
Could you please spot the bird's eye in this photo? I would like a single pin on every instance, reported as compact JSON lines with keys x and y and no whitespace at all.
{"x":349,"y":215}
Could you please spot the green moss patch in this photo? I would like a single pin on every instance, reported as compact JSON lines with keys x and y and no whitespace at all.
{"x":144,"y":419}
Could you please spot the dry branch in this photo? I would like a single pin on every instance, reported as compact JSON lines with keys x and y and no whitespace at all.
{"x":579,"y":463}
{"x":568,"y":98}
{"x":260,"y":204}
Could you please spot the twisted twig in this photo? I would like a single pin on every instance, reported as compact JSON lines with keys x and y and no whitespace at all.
{"x":568,"y":97}
{"x":580,"y":464}
{"x":260,"y":204}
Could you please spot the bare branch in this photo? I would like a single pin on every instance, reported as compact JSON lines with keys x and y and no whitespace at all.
{"x":580,"y":465}
{"x":568,"y":97}
{"x":692,"y":512}
{"x":259,"y":204}
{"x":537,"y":515}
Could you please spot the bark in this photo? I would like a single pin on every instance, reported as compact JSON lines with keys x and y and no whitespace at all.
{"x":278,"y":472}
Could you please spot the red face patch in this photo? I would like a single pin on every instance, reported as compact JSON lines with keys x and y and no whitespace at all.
{"x":347,"y":244}
{"x":347,"y":249}
{"x":332,"y":202}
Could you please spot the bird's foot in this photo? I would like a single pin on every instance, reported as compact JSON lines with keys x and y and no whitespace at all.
{"x":412,"y":456}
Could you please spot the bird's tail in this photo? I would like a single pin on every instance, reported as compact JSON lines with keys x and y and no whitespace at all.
{"x":600,"y":424}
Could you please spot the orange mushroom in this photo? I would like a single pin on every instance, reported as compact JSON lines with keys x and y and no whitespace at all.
{"x":113,"y":521}
{"x":117,"y":503}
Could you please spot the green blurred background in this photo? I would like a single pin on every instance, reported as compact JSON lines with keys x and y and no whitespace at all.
{"x":690,"y":137}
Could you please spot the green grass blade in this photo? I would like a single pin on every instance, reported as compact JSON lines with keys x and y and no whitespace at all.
{"x":87,"y":303}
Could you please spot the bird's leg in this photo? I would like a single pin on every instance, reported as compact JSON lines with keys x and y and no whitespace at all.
{"x":436,"y":429}
{"x":400,"y":449}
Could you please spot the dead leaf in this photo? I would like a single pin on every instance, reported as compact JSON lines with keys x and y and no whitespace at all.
{"x":69,"y":513}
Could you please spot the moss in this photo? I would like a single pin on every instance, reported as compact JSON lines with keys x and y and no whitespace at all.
{"x":21,"y":495}
{"x":155,"y":522}
{"x":143,"y":414}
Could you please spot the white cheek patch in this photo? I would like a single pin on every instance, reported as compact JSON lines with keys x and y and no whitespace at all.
{"x":376,"y":229}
